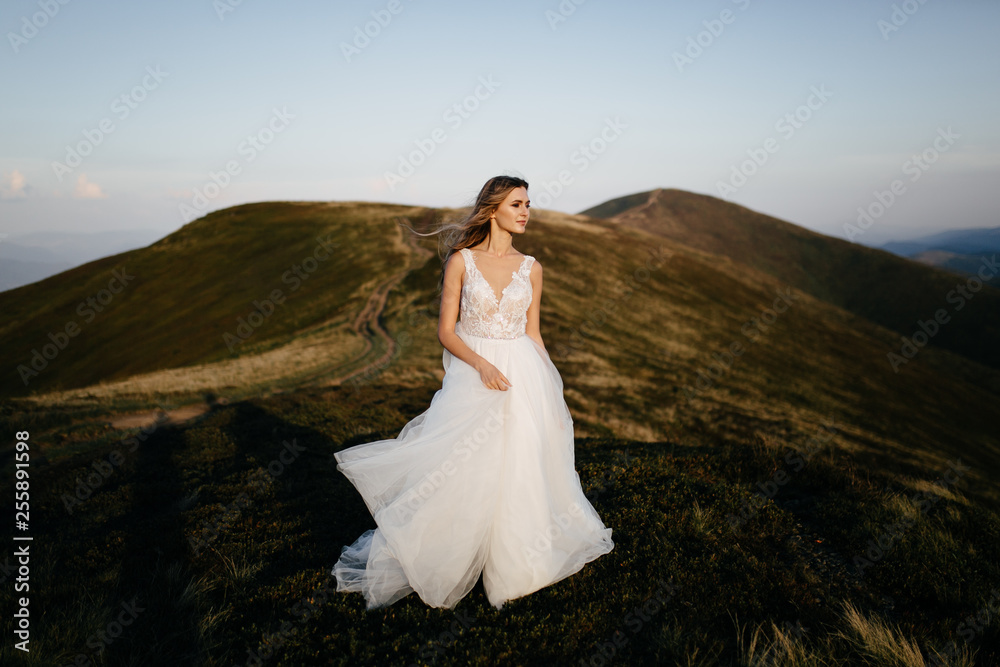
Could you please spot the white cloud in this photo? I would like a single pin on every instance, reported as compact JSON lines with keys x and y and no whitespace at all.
{"x":87,"y":190}
{"x":15,"y":186}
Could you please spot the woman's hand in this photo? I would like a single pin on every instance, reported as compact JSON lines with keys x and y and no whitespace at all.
{"x":492,"y":377}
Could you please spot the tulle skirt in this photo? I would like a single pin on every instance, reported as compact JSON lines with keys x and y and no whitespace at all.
{"x":482,"y":482}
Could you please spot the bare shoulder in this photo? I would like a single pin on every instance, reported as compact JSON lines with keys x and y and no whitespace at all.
{"x":454,"y":268}
{"x":457,"y":260}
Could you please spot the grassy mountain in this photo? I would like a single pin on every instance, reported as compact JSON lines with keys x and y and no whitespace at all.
{"x":746,"y":440}
{"x":239,"y":280}
{"x":881,"y":287}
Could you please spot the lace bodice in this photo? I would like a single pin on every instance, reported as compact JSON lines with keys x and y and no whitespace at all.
{"x":481,"y":314}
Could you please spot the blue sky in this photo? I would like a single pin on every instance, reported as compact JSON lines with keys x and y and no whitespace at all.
{"x":594,"y":90}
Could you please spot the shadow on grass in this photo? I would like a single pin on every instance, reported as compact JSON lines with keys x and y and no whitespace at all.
{"x":223,"y":581}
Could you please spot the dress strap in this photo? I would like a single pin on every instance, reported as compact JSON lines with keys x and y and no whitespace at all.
{"x":470,"y":261}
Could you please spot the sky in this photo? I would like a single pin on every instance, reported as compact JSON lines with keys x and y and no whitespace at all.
{"x":875,"y":116}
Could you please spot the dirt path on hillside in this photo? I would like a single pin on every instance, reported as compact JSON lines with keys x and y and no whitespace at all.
{"x":367,"y":324}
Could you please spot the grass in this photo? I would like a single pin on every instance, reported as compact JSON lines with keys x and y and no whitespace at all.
{"x":787,"y":506}
{"x":682,"y":586}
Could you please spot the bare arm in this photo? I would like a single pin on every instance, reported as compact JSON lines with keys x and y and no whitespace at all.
{"x":534,"y":310}
{"x":454,"y":274}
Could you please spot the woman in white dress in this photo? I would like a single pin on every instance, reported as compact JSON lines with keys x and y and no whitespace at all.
{"x":484,"y":480}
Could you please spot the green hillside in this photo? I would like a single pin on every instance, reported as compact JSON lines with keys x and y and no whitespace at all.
{"x":745,"y":440}
{"x":884,"y":288}
{"x":190,"y":290}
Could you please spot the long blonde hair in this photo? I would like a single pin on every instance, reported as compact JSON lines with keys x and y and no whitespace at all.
{"x":474,"y":227}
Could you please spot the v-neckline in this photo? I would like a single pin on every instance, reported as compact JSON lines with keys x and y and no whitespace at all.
{"x":503,"y":292}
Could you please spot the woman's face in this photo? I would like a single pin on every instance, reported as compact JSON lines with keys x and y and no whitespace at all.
{"x":512,"y":214}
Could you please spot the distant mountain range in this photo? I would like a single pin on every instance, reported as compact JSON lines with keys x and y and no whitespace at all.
{"x":958,"y":250}
{"x":28,"y":258}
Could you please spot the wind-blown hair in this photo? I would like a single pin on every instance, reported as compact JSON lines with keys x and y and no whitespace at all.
{"x":475,"y":226}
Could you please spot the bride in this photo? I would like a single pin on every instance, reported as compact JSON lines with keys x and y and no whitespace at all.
{"x":482,"y":482}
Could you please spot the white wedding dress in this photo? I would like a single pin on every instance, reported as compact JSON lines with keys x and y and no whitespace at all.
{"x":483,"y":481}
